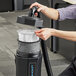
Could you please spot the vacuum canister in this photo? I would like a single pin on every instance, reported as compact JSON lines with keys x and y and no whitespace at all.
{"x":28,"y":57}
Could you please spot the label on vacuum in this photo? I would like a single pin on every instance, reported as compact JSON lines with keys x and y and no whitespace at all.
{"x":32,"y":69}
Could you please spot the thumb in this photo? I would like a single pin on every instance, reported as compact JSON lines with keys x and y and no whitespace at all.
{"x":38,"y":31}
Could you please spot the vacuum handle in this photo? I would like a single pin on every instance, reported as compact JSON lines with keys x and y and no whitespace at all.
{"x":32,"y":12}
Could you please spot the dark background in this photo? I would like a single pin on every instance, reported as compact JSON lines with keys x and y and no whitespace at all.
{"x":6,"y":5}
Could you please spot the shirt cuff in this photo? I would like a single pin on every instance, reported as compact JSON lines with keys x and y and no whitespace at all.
{"x":67,"y":12}
{"x":61,"y":14}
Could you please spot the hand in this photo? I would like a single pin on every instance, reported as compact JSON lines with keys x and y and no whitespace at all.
{"x":41,"y":7}
{"x":44,"y":33}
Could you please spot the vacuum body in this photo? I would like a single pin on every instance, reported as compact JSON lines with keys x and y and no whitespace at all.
{"x":28,"y":57}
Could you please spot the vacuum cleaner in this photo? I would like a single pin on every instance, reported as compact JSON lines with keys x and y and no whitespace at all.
{"x":28,"y":58}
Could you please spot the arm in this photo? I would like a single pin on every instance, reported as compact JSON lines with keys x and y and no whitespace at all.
{"x":45,"y":33}
{"x":61,"y":14}
{"x":68,"y":35}
{"x":49,"y":12}
{"x":55,"y":14}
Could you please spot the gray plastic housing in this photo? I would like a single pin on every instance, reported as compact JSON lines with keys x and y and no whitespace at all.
{"x":37,"y":22}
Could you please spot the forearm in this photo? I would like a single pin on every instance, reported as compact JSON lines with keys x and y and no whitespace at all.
{"x":51,"y":13}
{"x":69,"y":35}
{"x":61,"y":13}
{"x":57,"y":14}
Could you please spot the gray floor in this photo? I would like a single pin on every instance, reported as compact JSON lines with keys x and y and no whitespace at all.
{"x":8,"y":46}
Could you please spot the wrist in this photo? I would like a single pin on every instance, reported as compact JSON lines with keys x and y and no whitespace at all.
{"x":53,"y":32}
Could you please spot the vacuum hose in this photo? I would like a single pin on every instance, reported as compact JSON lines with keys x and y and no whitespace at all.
{"x":46,"y":58}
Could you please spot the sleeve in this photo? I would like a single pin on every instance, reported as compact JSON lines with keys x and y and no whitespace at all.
{"x":67,"y":12}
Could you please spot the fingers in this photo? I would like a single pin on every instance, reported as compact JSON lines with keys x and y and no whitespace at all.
{"x":44,"y":33}
{"x":40,"y":6}
{"x":38,"y":31}
{"x":35,"y":4}
{"x":40,"y":34}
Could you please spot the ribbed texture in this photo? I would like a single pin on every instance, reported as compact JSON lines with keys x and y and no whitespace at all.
{"x":29,"y":47}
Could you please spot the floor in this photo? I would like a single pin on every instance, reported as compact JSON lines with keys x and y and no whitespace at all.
{"x":9,"y":45}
